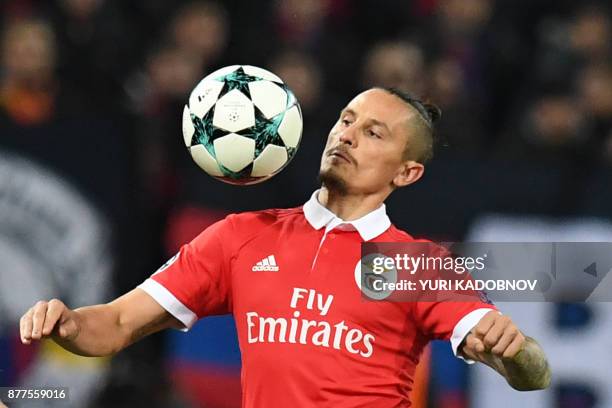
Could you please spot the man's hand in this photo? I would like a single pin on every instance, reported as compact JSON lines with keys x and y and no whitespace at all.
{"x":46,"y":319}
{"x":494,"y":334}
{"x":497,"y":342}
{"x":98,"y":330}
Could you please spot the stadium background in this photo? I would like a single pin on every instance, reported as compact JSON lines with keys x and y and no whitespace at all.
{"x":97,"y":190}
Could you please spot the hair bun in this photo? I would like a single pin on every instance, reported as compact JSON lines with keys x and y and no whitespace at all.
{"x":433,"y":111}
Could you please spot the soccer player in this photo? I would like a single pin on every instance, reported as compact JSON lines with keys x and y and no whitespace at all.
{"x":307,"y":336}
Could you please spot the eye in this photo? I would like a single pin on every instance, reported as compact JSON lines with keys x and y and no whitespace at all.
{"x":345,"y":121}
{"x":374,"y":134}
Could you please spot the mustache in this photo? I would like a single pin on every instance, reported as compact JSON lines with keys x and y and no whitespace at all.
{"x":342,"y":152}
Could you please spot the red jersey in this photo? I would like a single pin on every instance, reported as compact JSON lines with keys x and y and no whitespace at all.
{"x":307,"y":335}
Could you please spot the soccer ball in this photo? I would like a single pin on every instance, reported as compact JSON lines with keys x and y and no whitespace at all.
{"x":242,"y":124}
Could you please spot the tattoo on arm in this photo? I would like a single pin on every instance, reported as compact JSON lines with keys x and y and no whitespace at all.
{"x":528,"y":370}
{"x":150,"y":328}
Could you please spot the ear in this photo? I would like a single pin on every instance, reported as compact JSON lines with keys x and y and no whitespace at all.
{"x":410,"y":172}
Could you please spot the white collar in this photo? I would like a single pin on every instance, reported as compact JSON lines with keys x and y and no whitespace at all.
{"x":369,"y":226}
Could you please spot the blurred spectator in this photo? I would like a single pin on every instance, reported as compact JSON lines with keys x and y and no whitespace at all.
{"x":455,"y":39}
{"x":96,"y":49}
{"x":463,"y":19}
{"x":168,"y":76}
{"x":312,"y":26}
{"x":446,"y":82}
{"x":554,"y":124}
{"x":459,"y":127}
{"x":398,"y":65}
{"x":591,"y":33}
{"x":555,"y":121}
{"x":300,"y":22}
{"x":303,"y":77}
{"x":595,"y":97}
{"x":81,"y":10}
{"x":568,"y":44}
{"x":595,"y":91}
{"x":402,"y":65}
{"x":459,"y":32}
{"x":553,"y":129}
{"x":201,"y":29}
{"x":29,"y":89}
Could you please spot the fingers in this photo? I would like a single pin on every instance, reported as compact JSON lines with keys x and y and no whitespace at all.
{"x":508,"y":336}
{"x":477,"y":344}
{"x":38,"y":319}
{"x":498,"y":335}
{"x":515,"y":346}
{"x":496,"y":332}
{"x":25,"y":327}
{"x":474,"y":341}
{"x":473,"y":346}
{"x":54,"y":312}
{"x":483,"y":326}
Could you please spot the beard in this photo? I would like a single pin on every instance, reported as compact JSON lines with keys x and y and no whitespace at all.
{"x":333,"y":181}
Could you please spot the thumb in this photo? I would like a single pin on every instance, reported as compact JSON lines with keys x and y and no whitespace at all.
{"x":479,"y":345}
{"x":67,"y":329}
{"x":474,"y":344}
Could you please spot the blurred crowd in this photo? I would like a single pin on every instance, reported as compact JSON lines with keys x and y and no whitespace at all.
{"x":528,"y":80}
{"x":94,"y":90}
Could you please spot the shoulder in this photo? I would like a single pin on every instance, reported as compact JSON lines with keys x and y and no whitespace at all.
{"x":257,"y":219}
{"x":235,"y":230}
{"x":251,"y":225}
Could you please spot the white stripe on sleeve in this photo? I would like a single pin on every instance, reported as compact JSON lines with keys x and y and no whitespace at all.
{"x":169,"y":302}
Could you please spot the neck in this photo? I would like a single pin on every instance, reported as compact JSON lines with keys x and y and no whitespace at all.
{"x":349,"y":207}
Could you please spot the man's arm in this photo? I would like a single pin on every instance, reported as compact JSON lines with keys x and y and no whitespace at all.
{"x":498,"y":343}
{"x":98,"y":330}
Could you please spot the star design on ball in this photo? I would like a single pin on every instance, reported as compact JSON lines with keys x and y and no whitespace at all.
{"x":265,"y":131}
{"x":237,"y":79}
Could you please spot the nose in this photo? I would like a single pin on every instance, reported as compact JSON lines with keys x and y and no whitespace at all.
{"x":348,"y":136}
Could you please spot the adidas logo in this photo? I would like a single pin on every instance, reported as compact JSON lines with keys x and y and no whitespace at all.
{"x":268,"y":264}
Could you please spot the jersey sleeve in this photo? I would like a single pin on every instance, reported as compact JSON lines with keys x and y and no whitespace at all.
{"x":196,"y":281}
{"x":450,"y":320}
{"x":453,"y":315}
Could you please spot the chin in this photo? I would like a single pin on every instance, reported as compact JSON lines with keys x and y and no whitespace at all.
{"x":332,"y":180}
